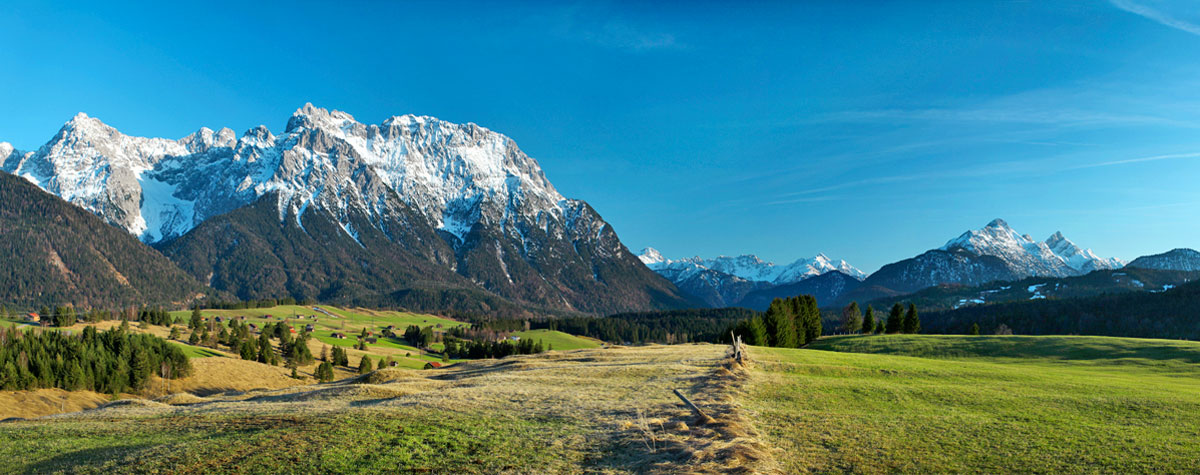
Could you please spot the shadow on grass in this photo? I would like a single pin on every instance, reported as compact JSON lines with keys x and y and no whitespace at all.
{"x":81,"y":460}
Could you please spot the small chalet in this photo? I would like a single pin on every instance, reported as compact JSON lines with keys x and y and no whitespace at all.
{"x":393,"y":363}
{"x":433,"y":365}
{"x":372,"y":339}
{"x":33,"y":317}
{"x":309,"y":327}
{"x":390,"y":327}
{"x":253,"y":327}
{"x":218,"y":319}
{"x":338,"y":335}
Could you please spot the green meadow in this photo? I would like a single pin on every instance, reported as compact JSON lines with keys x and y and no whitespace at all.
{"x":983,"y":404}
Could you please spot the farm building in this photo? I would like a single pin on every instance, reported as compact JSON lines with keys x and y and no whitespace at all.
{"x":33,"y":317}
{"x":253,"y":327}
{"x":309,"y":327}
{"x":372,"y":339}
{"x":338,"y":335}
{"x":433,"y":365}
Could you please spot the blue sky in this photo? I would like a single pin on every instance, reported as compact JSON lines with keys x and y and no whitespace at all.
{"x":870,"y":131}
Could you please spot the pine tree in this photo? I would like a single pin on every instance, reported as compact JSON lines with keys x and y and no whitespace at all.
{"x":197,"y":321}
{"x":364,"y":366}
{"x":868,"y":323}
{"x":781,"y":326}
{"x":325,"y":372}
{"x":974,"y":329}
{"x":879,"y":327}
{"x":810,"y":315}
{"x":895,"y":321}
{"x":912,"y":322}
{"x":852,"y":319}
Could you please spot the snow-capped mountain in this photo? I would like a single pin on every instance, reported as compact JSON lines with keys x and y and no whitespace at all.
{"x":1057,"y":256}
{"x":752,"y":268}
{"x":455,"y":174}
{"x":725,"y":280}
{"x":489,"y":201}
{"x":1176,"y":259}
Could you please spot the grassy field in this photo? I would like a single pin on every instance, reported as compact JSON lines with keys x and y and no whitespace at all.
{"x":596,"y":411}
{"x":938,"y":404}
{"x":559,"y":340}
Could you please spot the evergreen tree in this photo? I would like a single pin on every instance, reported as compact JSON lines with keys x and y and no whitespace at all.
{"x":364,"y":365}
{"x":194,"y":338}
{"x":811,"y":315}
{"x":852,"y":319}
{"x":895,"y":321}
{"x":912,"y":322}
{"x":174,"y":334}
{"x":325,"y":372}
{"x":197,"y":321}
{"x":879,"y":327}
{"x":868,"y":323}
{"x":974,"y":329}
{"x":781,"y":325}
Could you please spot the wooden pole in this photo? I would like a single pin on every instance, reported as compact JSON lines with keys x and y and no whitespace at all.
{"x":691,"y":406}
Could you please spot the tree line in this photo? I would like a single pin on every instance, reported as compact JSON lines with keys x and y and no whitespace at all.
{"x":113,"y":361}
{"x":665,"y":327}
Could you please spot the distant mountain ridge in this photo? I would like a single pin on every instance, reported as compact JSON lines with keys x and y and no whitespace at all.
{"x":1175,"y":259}
{"x":993,"y":253}
{"x":1057,"y":256}
{"x":725,"y":280}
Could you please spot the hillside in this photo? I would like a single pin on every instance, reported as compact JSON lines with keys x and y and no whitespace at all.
{"x":56,"y":253}
{"x":1129,"y":279}
{"x":1169,"y":312}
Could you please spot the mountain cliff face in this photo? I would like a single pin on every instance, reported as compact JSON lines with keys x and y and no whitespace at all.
{"x":455,"y":197}
{"x":54,"y":253}
{"x":1175,"y":259}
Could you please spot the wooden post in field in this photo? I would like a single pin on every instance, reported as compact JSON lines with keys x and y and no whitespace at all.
{"x":691,"y":406}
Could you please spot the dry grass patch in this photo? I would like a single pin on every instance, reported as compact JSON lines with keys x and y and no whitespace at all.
{"x":42,"y":402}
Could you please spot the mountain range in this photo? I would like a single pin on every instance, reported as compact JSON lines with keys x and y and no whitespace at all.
{"x":415,"y":211}
{"x":726,"y":281}
{"x":993,"y":253}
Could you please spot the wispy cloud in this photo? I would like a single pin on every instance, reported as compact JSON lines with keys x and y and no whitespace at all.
{"x":1154,"y":158}
{"x":622,"y":35}
{"x":597,"y":25}
{"x":1161,"y":12}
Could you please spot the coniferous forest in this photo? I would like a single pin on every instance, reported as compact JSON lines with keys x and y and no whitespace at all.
{"x":113,"y":361}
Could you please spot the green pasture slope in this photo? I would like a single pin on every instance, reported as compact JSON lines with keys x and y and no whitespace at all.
{"x":558,"y":340}
{"x":982,"y":404}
